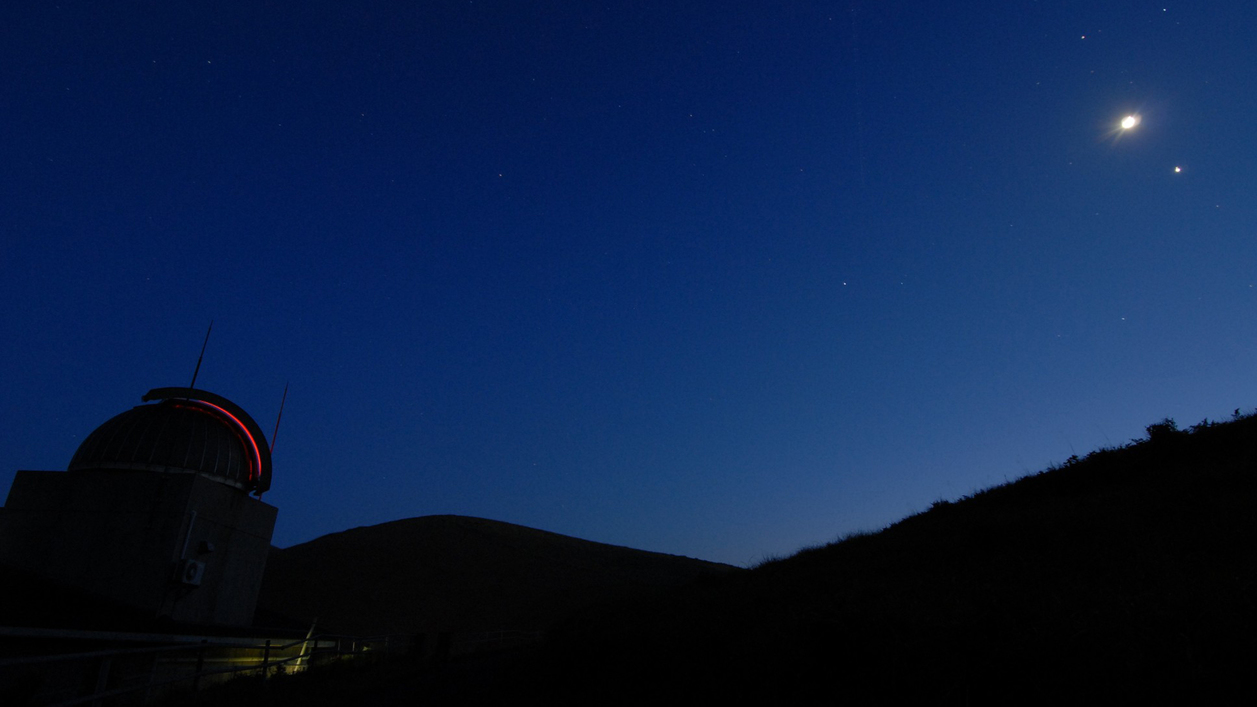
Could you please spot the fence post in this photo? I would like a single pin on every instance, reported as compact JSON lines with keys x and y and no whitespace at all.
{"x":152,"y":678}
{"x":266,"y":661}
{"x":200,"y":664}
{"x":102,"y":680}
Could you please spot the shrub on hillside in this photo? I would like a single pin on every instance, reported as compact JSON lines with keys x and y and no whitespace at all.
{"x":1163,"y":431}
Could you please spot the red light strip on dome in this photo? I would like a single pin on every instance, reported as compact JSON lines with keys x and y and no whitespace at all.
{"x":256,"y":464}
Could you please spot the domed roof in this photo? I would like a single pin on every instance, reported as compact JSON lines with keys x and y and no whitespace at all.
{"x":189,"y":431}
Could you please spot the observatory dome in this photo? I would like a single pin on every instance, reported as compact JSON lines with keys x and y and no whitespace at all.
{"x":188,"y":431}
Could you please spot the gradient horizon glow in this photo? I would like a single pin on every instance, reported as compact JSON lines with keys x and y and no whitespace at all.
{"x":711,"y":279}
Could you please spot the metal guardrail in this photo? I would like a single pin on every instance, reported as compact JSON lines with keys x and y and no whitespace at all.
{"x":142,"y":674}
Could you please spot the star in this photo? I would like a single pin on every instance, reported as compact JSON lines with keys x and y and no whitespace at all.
{"x":1129,"y":122}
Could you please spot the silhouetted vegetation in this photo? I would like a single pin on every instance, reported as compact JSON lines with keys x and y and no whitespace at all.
{"x":1125,"y":576}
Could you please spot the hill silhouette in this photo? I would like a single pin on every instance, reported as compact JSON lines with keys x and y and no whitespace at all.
{"x":455,"y":574}
{"x":1124,"y":577}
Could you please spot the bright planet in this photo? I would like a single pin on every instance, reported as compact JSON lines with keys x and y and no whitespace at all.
{"x":1129,"y":122}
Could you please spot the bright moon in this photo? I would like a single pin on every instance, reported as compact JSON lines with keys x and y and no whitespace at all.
{"x":1129,"y":122}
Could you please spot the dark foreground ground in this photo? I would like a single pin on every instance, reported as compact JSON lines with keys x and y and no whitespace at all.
{"x":1125,"y":577}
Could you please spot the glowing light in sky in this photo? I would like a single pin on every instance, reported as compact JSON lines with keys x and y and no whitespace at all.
{"x":1129,"y":122}
{"x":1178,"y":169}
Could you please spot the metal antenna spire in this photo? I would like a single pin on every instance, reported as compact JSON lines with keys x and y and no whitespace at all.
{"x":279,"y":417}
{"x":202,"y":356}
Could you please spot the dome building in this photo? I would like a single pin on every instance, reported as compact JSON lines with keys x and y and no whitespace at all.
{"x":159,"y":510}
{"x":190,"y":431}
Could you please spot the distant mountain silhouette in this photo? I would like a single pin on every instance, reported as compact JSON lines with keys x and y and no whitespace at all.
{"x":457,"y":574}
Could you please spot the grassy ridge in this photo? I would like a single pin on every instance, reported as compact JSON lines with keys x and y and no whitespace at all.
{"x":1127,"y":575}
{"x":1124,"y":577}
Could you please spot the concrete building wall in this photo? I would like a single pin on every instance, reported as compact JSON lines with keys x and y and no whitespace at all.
{"x":123,"y":535}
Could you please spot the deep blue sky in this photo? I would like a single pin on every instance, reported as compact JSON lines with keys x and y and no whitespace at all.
{"x":713,"y":279}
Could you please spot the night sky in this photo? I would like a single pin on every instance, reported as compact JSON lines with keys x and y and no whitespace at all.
{"x":719,"y":279}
